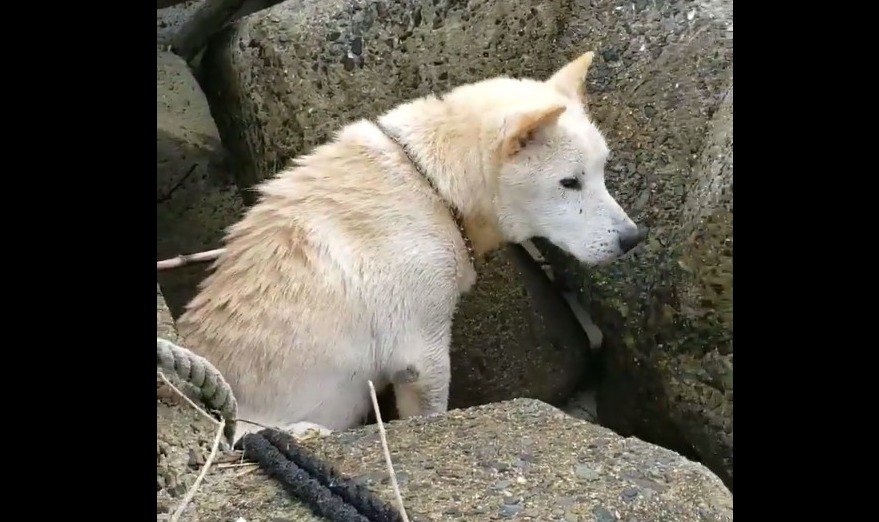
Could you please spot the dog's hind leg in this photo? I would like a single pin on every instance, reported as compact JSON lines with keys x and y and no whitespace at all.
{"x":422,"y":387}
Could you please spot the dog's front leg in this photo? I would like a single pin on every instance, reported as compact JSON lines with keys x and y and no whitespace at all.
{"x":422,"y":387}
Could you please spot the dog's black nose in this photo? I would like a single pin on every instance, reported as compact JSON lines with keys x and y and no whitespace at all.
{"x":631,"y":237}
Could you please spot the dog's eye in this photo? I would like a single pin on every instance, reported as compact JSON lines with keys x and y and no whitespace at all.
{"x":571,"y":183}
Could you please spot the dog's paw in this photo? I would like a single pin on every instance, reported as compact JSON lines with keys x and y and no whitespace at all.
{"x":305,"y":430}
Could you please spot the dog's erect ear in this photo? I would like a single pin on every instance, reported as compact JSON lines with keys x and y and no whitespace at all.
{"x":570,"y":80}
{"x":519,"y":129}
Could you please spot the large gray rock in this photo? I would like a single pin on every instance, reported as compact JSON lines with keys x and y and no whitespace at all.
{"x":196,"y":199}
{"x":662,"y":92}
{"x":514,"y":336}
{"x":485,"y":463}
{"x":285,"y":79}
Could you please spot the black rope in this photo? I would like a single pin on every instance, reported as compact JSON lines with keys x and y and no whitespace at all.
{"x":299,"y":483}
{"x":318,"y":485}
{"x":364,"y":500}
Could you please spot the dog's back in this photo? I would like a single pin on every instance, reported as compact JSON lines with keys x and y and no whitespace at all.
{"x":321,"y":278}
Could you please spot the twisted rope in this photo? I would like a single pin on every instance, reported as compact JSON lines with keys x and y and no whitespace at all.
{"x":358,"y":496}
{"x":298,"y":482}
{"x":199,"y":372}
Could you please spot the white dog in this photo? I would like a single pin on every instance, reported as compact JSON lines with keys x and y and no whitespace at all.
{"x":351,"y":265}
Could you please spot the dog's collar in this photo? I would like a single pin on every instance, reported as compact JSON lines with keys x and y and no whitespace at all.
{"x":453,"y":209}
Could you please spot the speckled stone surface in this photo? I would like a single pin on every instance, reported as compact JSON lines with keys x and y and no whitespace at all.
{"x":527,"y":459}
{"x":520,"y":459}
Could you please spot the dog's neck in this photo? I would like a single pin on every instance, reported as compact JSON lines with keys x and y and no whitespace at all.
{"x":436,"y":153}
{"x":453,"y":208}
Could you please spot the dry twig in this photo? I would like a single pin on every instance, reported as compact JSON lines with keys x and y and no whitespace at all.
{"x":228,"y":465}
{"x":186,"y":259}
{"x":246,"y":471}
{"x":381,"y":430}
{"x":204,"y":470}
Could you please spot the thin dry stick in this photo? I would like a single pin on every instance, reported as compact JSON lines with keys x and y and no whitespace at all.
{"x":204,"y":470}
{"x":381,"y":430}
{"x":246,"y":471}
{"x":185,"y":259}
{"x":255,"y":424}
{"x":236,"y":465}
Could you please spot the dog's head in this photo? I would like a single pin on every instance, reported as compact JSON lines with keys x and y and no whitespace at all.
{"x":551,"y":180}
